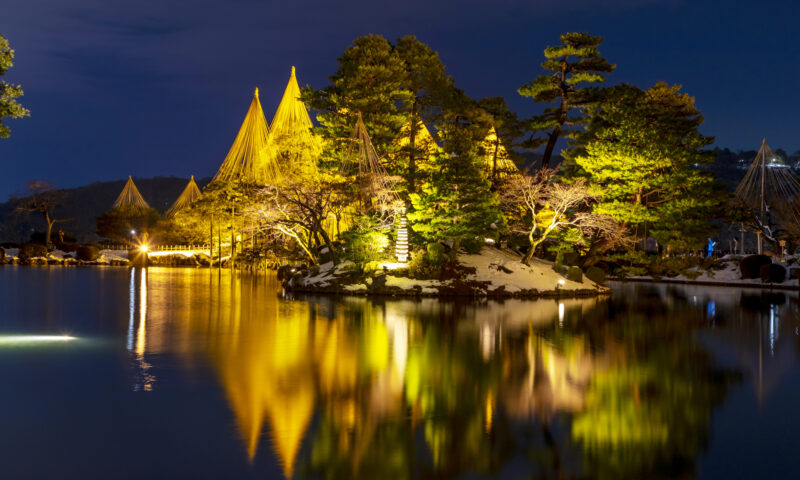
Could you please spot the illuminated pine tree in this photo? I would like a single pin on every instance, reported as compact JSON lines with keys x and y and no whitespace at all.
{"x":575,"y":62}
{"x":455,"y":203}
{"x":643,"y":156}
{"x":9,"y":107}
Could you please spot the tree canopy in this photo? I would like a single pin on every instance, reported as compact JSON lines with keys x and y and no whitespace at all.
{"x":9,"y":107}
{"x":642,"y":156}
{"x":574,"y":63}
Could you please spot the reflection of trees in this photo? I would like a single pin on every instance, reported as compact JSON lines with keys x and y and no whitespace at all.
{"x":649,"y":412}
{"x":421,"y":388}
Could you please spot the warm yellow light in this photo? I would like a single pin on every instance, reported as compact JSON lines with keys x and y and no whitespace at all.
{"x":143,"y":248}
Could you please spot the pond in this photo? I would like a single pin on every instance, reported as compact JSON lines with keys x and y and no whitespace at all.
{"x":185,"y":373}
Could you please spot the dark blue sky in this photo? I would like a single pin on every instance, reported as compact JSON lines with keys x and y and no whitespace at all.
{"x":160,"y":87}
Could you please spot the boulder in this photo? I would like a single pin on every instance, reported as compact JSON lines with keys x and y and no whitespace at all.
{"x":750,"y":266}
{"x":87,"y":253}
{"x":596,"y":274}
{"x":32,"y":250}
{"x":773,"y":273}
{"x":575,"y":274}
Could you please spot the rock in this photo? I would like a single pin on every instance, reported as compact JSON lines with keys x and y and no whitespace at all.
{"x":575,"y":274}
{"x":794,"y":272}
{"x":596,"y":274}
{"x":571,"y":258}
{"x":32,"y":250}
{"x":750,"y":266}
{"x":87,"y":253}
{"x":772,"y":273}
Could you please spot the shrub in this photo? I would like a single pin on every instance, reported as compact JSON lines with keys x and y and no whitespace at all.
{"x":419,"y":267}
{"x":575,"y":274}
{"x":68,"y":247}
{"x":435,"y":254}
{"x":772,"y":273}
{"x":571,"y":258}
{"x":32,"y":250}
{"x":87,"y":253}
{"x":596,"y":274}
{"x":363,"y":246}
{"x":750,"y":266}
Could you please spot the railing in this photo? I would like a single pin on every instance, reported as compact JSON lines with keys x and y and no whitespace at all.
{"x":160,"y":248}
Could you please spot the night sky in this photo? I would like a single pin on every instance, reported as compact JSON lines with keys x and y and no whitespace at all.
{"x":160,"y":87}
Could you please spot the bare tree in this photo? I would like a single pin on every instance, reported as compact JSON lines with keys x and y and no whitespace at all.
{"x":44,"y":199}
{"x":538,"y":207}
{"x":306,"y":211}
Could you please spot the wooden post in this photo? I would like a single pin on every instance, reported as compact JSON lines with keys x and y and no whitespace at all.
{"x":233,"y":239}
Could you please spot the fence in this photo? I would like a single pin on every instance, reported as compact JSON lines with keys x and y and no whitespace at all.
{"x":159,"y":248}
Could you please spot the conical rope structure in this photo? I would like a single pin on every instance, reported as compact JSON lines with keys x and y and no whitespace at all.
{"x":770,"y":191}
{"x":376,"y":186}
{"x":498,"y":163}
{"x":250,"y":159}
{"x":189,"y":195}
{"x":290,"y":131}
{"x":423,"y":139}
{"x":130,"y":197}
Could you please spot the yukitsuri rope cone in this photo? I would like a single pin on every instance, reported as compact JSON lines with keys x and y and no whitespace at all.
{"x":498,"y":163}
{"x":250,"y":159}
{"x":189,"y":195}
{"x":130,"y":197}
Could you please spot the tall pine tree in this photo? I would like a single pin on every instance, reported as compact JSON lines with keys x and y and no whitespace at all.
{"x":370,"y":80}
{"x":575,"y":62}
{"x":455,"y":203}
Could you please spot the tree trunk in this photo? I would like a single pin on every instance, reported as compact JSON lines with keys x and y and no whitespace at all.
{"x":49,"y":229}
{"x":455,"y":249}
{"x":412,"y":137}
{"x":562,"y":118}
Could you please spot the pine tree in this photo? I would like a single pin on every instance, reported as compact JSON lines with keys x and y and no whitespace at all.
{"x":576,"y":61}
{"x":455,"y":202}
{"x":9,"y":107}
{"x":369,"y":81}
{"x":430,"y":89}
{"x":643,"y":157}
{"x":394,"y":87}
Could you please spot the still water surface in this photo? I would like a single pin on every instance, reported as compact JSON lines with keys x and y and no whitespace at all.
{"x":183,"y":373}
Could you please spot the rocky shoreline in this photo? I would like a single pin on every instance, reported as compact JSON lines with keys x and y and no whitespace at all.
{"x":493,"y":273}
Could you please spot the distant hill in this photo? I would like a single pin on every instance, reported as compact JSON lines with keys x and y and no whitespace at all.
{"x":84,"y":204}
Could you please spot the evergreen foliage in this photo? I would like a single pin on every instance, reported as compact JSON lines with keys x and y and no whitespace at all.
{"x":575,"y":62}
{"x":643,"y":156}
{"x":455,"y":203}
{"x":9,"y":107}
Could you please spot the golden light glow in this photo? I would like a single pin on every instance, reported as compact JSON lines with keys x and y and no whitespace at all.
{"x":143,"y":248}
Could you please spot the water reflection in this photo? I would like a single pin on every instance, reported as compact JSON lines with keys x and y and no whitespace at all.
{"x":355,"y":388}
{"x":137,"y":339}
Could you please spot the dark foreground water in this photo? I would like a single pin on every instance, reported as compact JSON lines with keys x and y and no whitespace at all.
{"x":182,"y":373}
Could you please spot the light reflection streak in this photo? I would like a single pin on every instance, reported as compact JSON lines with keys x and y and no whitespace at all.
{"x":27,"y":339}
